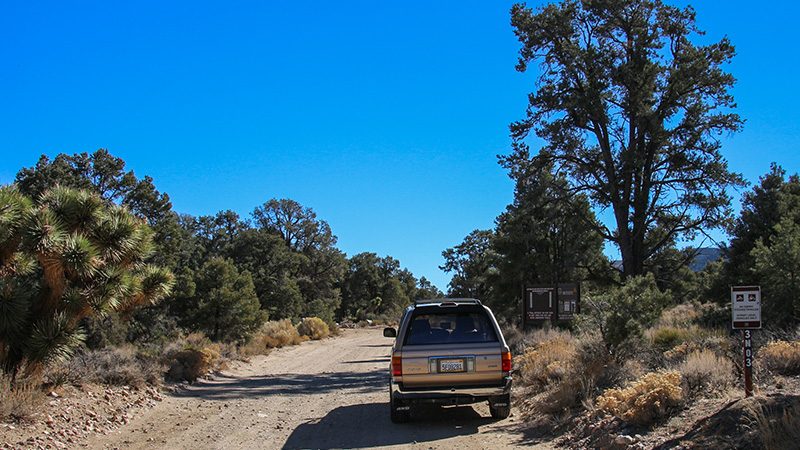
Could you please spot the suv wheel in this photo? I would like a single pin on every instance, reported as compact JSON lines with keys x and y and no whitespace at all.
{"x":401,"y":416}
{"x":500,"y":407}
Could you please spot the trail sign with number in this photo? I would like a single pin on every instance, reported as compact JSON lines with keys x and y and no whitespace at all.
{"x":746,"y":307}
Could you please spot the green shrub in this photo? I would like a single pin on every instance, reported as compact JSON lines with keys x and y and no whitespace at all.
{"x":228,"y":309}
{"x":667,"y":337}
{"x":313,"y":327}
{"x":622,"y":314}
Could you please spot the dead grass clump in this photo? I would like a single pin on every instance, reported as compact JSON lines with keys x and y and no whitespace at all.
{"x":116,"y":366}
{"x":273,"y":334}
{"x":313,"y":327}
{"x":776,"y":428}
{"x":645,"y":400}
{"x":782,"y":357}
{"x":190,"y":364}
{"x":714,"y":340}
{"x":548,"y":361}
{"x":565,"y":371}
{"x":18,"y":401}
{"x":706,"y":372}
{"x":680,"y":316}
{"x":192,"y":357}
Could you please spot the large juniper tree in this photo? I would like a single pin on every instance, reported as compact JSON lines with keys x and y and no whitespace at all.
{"x":631,"y":110}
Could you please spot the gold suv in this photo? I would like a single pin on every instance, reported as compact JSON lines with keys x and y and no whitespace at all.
{"x":449,"y":351}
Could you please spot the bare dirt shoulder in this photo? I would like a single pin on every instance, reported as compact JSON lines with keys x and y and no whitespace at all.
{"x":73,"y":414}
{"x":321,"y":394}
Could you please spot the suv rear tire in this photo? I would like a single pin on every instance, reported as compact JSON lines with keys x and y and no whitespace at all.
{"x":498,"y":411}
{"x":398,"y":416}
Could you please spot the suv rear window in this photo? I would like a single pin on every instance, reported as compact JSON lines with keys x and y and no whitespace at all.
{"x":445,"y":327}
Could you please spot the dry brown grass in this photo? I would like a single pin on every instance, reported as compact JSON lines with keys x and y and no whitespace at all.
{"x":313,"y":327}
{"x":777,"y":430}
{"x":680,"y":316}
{"x":563,"y":371}
{"x":20,"y":400}
{"x":193,"y":357}
{"x":706,"y":373}
{"x":190,"y":364}
{"x":116,"y":366}
{"x":547,"y":361}
{"x":273,"y":334}
{"x":782,"y":357}
{"x":645,"y":400}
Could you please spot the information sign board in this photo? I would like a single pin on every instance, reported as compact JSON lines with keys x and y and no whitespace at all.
{"x":549,"y":303}
{"x":746,"y":307}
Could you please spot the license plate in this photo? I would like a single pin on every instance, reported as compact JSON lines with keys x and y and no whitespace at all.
{"x":451,"y":365}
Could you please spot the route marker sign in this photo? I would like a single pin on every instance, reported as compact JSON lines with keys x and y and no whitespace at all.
{"x":746,"y":307}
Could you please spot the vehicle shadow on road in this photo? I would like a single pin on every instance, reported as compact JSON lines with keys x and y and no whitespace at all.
{"x":224,"y":387}
{"x":368,"y":425}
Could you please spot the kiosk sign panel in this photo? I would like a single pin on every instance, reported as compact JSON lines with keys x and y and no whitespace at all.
{"x":568,"y":301}
{"x":550,"y":303}
{"x":746,"y":307}
{"x":539,"y":303}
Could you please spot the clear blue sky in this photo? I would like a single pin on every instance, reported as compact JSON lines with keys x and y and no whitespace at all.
{"x":384,"y":117}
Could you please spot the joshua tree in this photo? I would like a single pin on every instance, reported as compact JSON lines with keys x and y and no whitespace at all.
{"x":65,"y":256}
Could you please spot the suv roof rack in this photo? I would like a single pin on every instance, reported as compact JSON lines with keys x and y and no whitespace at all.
{"x":454,"y":301}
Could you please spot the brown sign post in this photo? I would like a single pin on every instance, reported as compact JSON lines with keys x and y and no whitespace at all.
{"x":746,"y":316}
{"x":748,"y":362}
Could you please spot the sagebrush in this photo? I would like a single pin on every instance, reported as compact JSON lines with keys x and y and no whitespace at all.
{"x":645,"y":400}
{"x":313,"y":327}
{"x":273,"y":334}
{"x":705,"y":372}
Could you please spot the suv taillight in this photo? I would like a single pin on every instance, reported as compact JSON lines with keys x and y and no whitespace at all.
{"x":506,"y":360}
{"x":397,"y":366}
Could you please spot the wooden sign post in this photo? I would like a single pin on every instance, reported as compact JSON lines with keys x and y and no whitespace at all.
{"x":748,"y":362}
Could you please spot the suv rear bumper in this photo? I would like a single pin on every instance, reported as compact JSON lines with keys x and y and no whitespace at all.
{"x":450,"y":395}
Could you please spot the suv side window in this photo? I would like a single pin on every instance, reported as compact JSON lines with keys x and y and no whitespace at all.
{"x":450,"y":327}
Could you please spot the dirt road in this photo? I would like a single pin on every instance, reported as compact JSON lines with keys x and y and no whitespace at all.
{"x":321,"y":394}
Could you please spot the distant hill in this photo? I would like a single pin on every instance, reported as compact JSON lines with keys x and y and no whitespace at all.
{"x":705,"y":256}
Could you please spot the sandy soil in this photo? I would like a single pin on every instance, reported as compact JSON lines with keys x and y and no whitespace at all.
{"x":321,"y":394}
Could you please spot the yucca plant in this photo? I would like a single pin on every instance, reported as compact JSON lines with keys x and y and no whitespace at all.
{"x":66,"y":256}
